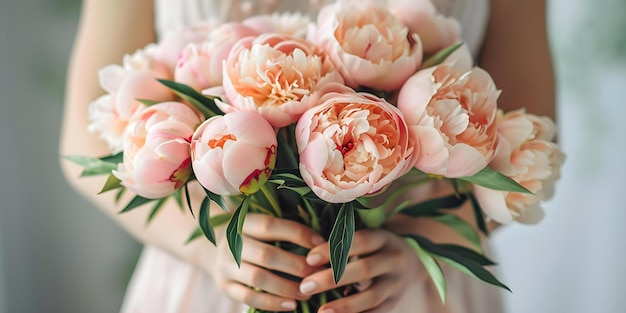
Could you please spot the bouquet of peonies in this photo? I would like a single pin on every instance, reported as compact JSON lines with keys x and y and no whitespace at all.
{"x":314,"y":121}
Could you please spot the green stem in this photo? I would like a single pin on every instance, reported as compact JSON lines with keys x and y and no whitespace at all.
{"x":315,"y":224}
{"x":271,"y":200}
{"x":305,"y":307}
{"x":260,"y":208}
{"x":323,"y":298}
{"x":400,"y":191}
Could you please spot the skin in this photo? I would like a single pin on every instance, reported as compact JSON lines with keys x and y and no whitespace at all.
{"x":516,"y":54}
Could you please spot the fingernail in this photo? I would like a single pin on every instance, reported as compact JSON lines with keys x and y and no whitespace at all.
{"x":327,"y":311}
{"x":308,"y":287}
{"x":317,"y":240}
{"x":313,"y":259}
{"x":289,"y":305}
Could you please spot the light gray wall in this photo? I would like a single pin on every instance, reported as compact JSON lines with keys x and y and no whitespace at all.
{"x":59,"y":254}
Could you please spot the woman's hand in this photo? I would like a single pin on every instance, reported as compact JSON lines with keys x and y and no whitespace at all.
{"x":385,"y":262}
{"x":254,"y":283}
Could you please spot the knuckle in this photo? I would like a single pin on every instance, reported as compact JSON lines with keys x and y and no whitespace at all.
{"x":257,"y":277}
{"x":264,"y":256}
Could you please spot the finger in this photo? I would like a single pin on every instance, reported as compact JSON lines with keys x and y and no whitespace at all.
{"x":260,"y":278}
{"x":387,"y":306}
{"x":364,"y":242}
{"x":273,"y":258}
{"x":257,"y":299}
{"x":357,"y":271}
{"x":378,"y":296}
{"x":269,"y":228}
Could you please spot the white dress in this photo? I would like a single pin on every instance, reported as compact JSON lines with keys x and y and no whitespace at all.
{"x":162,"y":283}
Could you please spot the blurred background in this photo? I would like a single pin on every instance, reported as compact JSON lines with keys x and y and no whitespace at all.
{"x":59,"y":254}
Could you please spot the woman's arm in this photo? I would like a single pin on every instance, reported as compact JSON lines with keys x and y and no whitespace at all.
{"x":517,"y":55}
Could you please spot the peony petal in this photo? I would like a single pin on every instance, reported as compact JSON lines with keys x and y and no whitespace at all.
{"x":493,"y":204}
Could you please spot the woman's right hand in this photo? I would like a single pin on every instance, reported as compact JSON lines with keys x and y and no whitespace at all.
{"x":254,"y":283}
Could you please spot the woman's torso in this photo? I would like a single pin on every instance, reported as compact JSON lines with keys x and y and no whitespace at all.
{"x":162,"y":283}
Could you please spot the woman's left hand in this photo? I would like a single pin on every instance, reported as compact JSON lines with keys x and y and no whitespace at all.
{"x":384,"y":263}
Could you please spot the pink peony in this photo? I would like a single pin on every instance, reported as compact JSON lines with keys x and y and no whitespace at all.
{"x":278,"y":76}
{"x":135,"y":79}
{"x":173,"y":42}
{"x":200,"y":64}
{"x":451,"y":111}
{"x":527,"y":155}
{"x":352,"y":145}
{"x":370,"y":46}
{"x":234,"y":153}
{"x":156,"y":149}
{"x":435,"y":30}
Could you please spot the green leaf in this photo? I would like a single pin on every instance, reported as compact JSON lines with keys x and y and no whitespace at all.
{"x":341,"y":240}
{"x":493,"y":179}
{"x":440,"y":56}
{"x":199,"y":101}
{"x":460,"y":226}
{"x":478,"y":214}
{"x":188,"y":198}
{"x":147,"y":102}
{"x":197,"y":233}
{"x":217,"y":199}
{"x":135,"y":202}
{"x":451,"y":251}
{"x":113,"y":158}
{"x":111,"y":183}
{"x":245,"y":204}
{"x":119,"y":195}
{"x":233,"y":231}
{"x":432,"y":206}
{"x":93,"y":166}
{"x":205,"y":221}
{"x":178,"y":197}
{"x":372,"y":217}
{"x":474,"y":270}
{"x":157,"y":207}
{"x":461,"y":258}
{"x":215,"y":221}
{"x":431,"y":266}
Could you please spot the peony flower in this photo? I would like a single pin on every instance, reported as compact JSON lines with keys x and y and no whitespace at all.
{"x":435,"y":30}
{"x":156,"y":149}
{"x":200,"y":64}
{"x":173,"y":42}
{"x":293,"y":24}
{"x":352,"y":145}
{"x":135,"y":79}
{"x":234,"y":153}
{"x":370,"y":46}
{"x":527,"y":155}
{"x":278,"y":76}
{"x":451,"y":111}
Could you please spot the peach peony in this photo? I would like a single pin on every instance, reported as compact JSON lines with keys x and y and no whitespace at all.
{"x":135,"y":79}
{"x":527,"y":155}
{"x":278,"y":76}
{"x":451,"y":111}
{"x":234,"y":153}
{"x":370,"y":46}
{"x":200,"y":64}
{"x":352,"y":145}
{"x":156,"y":149}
